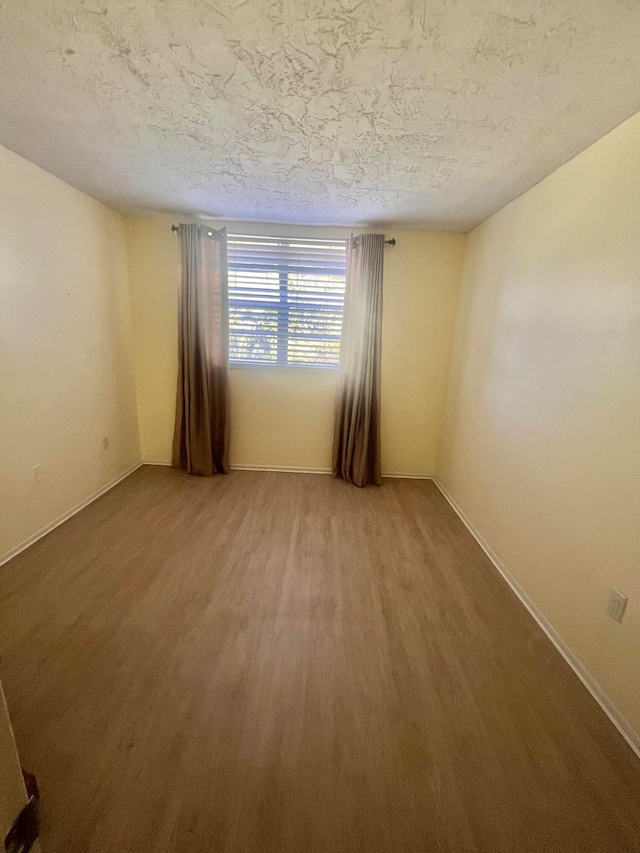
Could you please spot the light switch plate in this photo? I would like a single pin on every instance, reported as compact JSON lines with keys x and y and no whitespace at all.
{"x":617,"y":604}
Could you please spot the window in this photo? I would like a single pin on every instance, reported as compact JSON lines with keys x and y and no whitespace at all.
{"x":286,"y":297}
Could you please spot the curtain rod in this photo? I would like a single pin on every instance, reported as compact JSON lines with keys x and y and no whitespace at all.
{"x":390,"y":242}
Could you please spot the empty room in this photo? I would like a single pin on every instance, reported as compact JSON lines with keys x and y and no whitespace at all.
{"x":319,"y":426}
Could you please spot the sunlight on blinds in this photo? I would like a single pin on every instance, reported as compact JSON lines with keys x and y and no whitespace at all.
{"x":286,"y":298}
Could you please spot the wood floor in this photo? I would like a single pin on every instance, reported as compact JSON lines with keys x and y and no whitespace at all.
{"x":283,"y":662}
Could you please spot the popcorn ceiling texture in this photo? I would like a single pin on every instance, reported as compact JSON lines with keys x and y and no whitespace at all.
{"x":422,"y":114}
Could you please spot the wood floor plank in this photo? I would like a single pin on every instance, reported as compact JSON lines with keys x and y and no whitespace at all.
{"x":282,"y":662}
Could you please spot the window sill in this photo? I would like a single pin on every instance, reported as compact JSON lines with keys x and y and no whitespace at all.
{"x":234,"y":365}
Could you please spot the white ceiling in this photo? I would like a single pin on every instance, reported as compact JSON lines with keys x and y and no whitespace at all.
{"x":414,"y":113}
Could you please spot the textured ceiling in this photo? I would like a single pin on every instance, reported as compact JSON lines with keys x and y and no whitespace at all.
{"x":431,"y":114}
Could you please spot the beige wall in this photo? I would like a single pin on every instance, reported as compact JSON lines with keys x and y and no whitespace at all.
{"x":283,"y":416}
{"x":541,"y":437}
{"x":66,"y":374}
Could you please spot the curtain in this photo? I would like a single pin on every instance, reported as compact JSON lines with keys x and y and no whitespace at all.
{"x":356,"y":440}
{"x":201,"y":437}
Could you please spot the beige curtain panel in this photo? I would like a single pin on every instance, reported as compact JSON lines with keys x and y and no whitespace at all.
{"x":201,"y":437}
{"x":356,"y":441}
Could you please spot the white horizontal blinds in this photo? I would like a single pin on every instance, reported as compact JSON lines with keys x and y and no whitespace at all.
{"x":286,"y":297}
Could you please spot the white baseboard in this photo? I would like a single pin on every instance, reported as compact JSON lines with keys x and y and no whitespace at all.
{"x":291,"y":469}
{"x":623,"y":726}
{"x":9,"y":555}
{"x":285,"y":469}
{"x":399,"y":476}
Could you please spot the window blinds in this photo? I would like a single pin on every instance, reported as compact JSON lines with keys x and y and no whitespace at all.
{"x":286,"y":297}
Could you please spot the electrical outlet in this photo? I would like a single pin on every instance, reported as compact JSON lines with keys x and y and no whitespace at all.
{"x":617,"y":604}
{"x":105,"y":442}
{"x":37,"y":474}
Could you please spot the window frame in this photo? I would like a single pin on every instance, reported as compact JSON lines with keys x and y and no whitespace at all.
{"x":283,"y":305}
